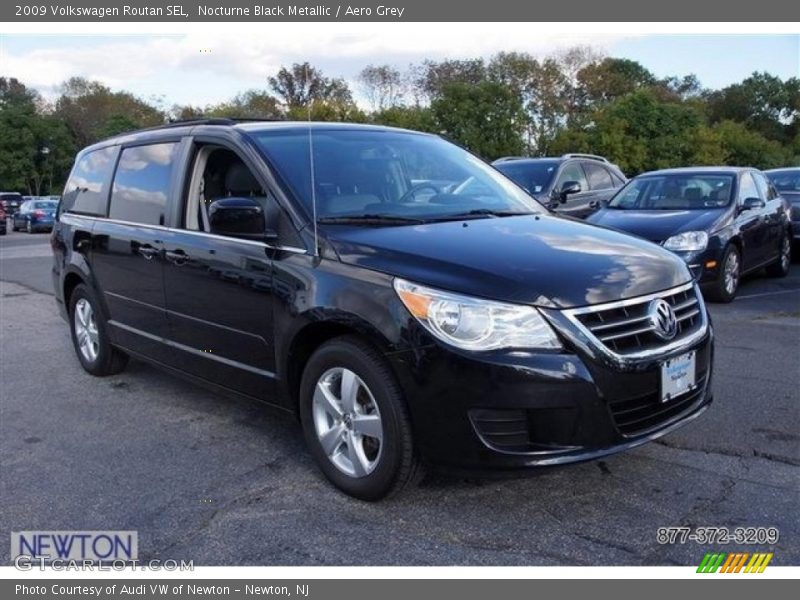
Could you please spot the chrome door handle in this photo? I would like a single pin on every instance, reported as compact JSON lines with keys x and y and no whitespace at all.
{"x":148,"y":252}
{"x":177,"y":257}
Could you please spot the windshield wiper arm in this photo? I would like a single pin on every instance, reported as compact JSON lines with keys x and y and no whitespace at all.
{"x":478,"y":213}
{"x":369,"y":219}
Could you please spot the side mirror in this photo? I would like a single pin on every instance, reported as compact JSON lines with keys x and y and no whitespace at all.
{"x":238,"y":217}
{"x":567,"y":188}
{"x":752,"y":203}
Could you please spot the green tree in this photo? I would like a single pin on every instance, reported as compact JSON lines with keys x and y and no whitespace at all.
{"x":418,"y":118}
{"x":763,"y":102}
{"x":430,"y":78}
{"x":484,"y":118}
{"x":36,"y":149}
{"x":748,"y":148}
{"x":252,"y":104}
{"x":90,"y":110}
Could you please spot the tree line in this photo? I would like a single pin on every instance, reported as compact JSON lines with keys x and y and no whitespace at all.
{"x":511,"y":104}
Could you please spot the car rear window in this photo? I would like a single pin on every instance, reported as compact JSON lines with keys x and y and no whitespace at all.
{"x":86,"y":191}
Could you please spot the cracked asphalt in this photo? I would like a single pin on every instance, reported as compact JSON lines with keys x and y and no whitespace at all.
{"x":228,"y":482}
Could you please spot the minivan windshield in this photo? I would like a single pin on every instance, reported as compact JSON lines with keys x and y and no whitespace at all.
{"x":676,"y":191}
{"x":392,"y":177}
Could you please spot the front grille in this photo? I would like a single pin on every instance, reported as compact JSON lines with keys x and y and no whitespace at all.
{"x":795,"y":212}
{"x":642,"y":414}
{"x":625,"y":328}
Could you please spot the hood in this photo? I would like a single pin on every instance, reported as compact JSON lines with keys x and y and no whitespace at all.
{"x":546,"y":261}
{"x":658,"y":225}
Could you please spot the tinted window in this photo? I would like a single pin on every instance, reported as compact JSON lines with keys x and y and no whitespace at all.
{"x":533,"y":176}
{"x":747,"y":187}
{"x":86,"y":191}
{"x":573,"y":172}
{"x":142,"y":183}
{"x":598,"y":177}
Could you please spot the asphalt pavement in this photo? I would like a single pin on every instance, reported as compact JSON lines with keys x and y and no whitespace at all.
{"x":229,"y":482}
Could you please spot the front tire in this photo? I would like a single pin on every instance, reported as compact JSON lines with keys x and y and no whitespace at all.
{"x":727,"y":284}
{"x":28,"y":227}
{"x":780,"y":268}
{"x":90,"y":336}
{"x":355,"y":420}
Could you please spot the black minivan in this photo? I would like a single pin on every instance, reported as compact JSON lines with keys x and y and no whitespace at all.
{"x":409,"y":303}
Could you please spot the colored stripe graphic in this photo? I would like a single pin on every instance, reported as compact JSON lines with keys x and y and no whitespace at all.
{"x":734,"y":562}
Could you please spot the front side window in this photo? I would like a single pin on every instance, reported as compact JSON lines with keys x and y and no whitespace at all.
{"x":572,"y":172}
{"x":748,"y":188}
{"x":598,"y":177}
{"x":363,"y":173}
{"x":142,"y":183}
{"x":764,"y":188}
{"x":86,"y":191}
{"x":676,"y":191}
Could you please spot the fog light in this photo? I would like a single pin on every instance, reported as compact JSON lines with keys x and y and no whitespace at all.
{"x":711,"y":264}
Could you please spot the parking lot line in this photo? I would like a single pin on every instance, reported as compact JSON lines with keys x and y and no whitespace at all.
{"x":768,"y":294}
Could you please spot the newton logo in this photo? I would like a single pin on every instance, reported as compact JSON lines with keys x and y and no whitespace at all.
{"x":734,"y":562}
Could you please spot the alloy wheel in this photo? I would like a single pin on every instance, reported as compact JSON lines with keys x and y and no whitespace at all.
{"x":347,"y":422}
{"x":86,"y":332}
{"x":786,"y":253}
{"x":731,"y":273}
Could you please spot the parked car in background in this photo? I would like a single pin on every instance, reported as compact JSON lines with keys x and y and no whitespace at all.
{"x":787,"y":182}
{"x":2,"y":220}
{"x":723,"y":221}
{"x":572,"y":184}
{"x":409,"y":303}
{"x":35,"y":215}
{"x":11,"y":202}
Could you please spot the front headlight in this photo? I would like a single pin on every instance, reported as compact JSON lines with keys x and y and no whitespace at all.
{"x":474,"y":323}
{"x":689,"y":241}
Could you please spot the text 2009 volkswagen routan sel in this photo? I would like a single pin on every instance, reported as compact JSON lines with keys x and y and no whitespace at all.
{"x":411,"y":304}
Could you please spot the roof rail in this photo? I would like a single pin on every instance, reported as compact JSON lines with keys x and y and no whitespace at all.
{"x":505,"y":158}
{"x":589,"y":156}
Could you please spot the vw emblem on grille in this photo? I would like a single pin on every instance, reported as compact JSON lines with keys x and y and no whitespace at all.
{"x":662,"y":319}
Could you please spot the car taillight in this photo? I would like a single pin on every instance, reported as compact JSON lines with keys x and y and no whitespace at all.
{"x":38,"y":213}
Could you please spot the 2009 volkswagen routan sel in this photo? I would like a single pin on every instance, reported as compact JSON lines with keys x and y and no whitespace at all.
{"x":411,"y":304}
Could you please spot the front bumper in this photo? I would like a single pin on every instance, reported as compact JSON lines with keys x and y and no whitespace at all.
{"x":705,"y":266}
{"x":520,"y":409}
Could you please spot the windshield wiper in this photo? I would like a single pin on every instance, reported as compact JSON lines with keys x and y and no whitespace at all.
{"x":370,"y":219}
{"x":479,"y":213}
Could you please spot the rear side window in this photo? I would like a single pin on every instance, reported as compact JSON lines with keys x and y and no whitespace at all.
{"x":599,"y":178}
{"x":142,"y":183}
{"x":86,"y":191}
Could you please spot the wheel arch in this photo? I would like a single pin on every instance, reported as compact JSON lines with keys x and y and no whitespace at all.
{"x":312,"y":336}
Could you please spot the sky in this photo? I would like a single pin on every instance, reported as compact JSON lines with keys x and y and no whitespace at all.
{"x":201,"y":69}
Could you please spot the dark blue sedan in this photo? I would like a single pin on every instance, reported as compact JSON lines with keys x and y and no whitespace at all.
{"x":35,"y":215}
{"x":723,"y":221}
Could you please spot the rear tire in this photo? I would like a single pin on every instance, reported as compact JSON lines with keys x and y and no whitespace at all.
{"x":90,"y":335}
{"x":727,"y":284}
{"x":780,"y":268}
{"x":28,"y":227}
{"x":356,"y":422}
